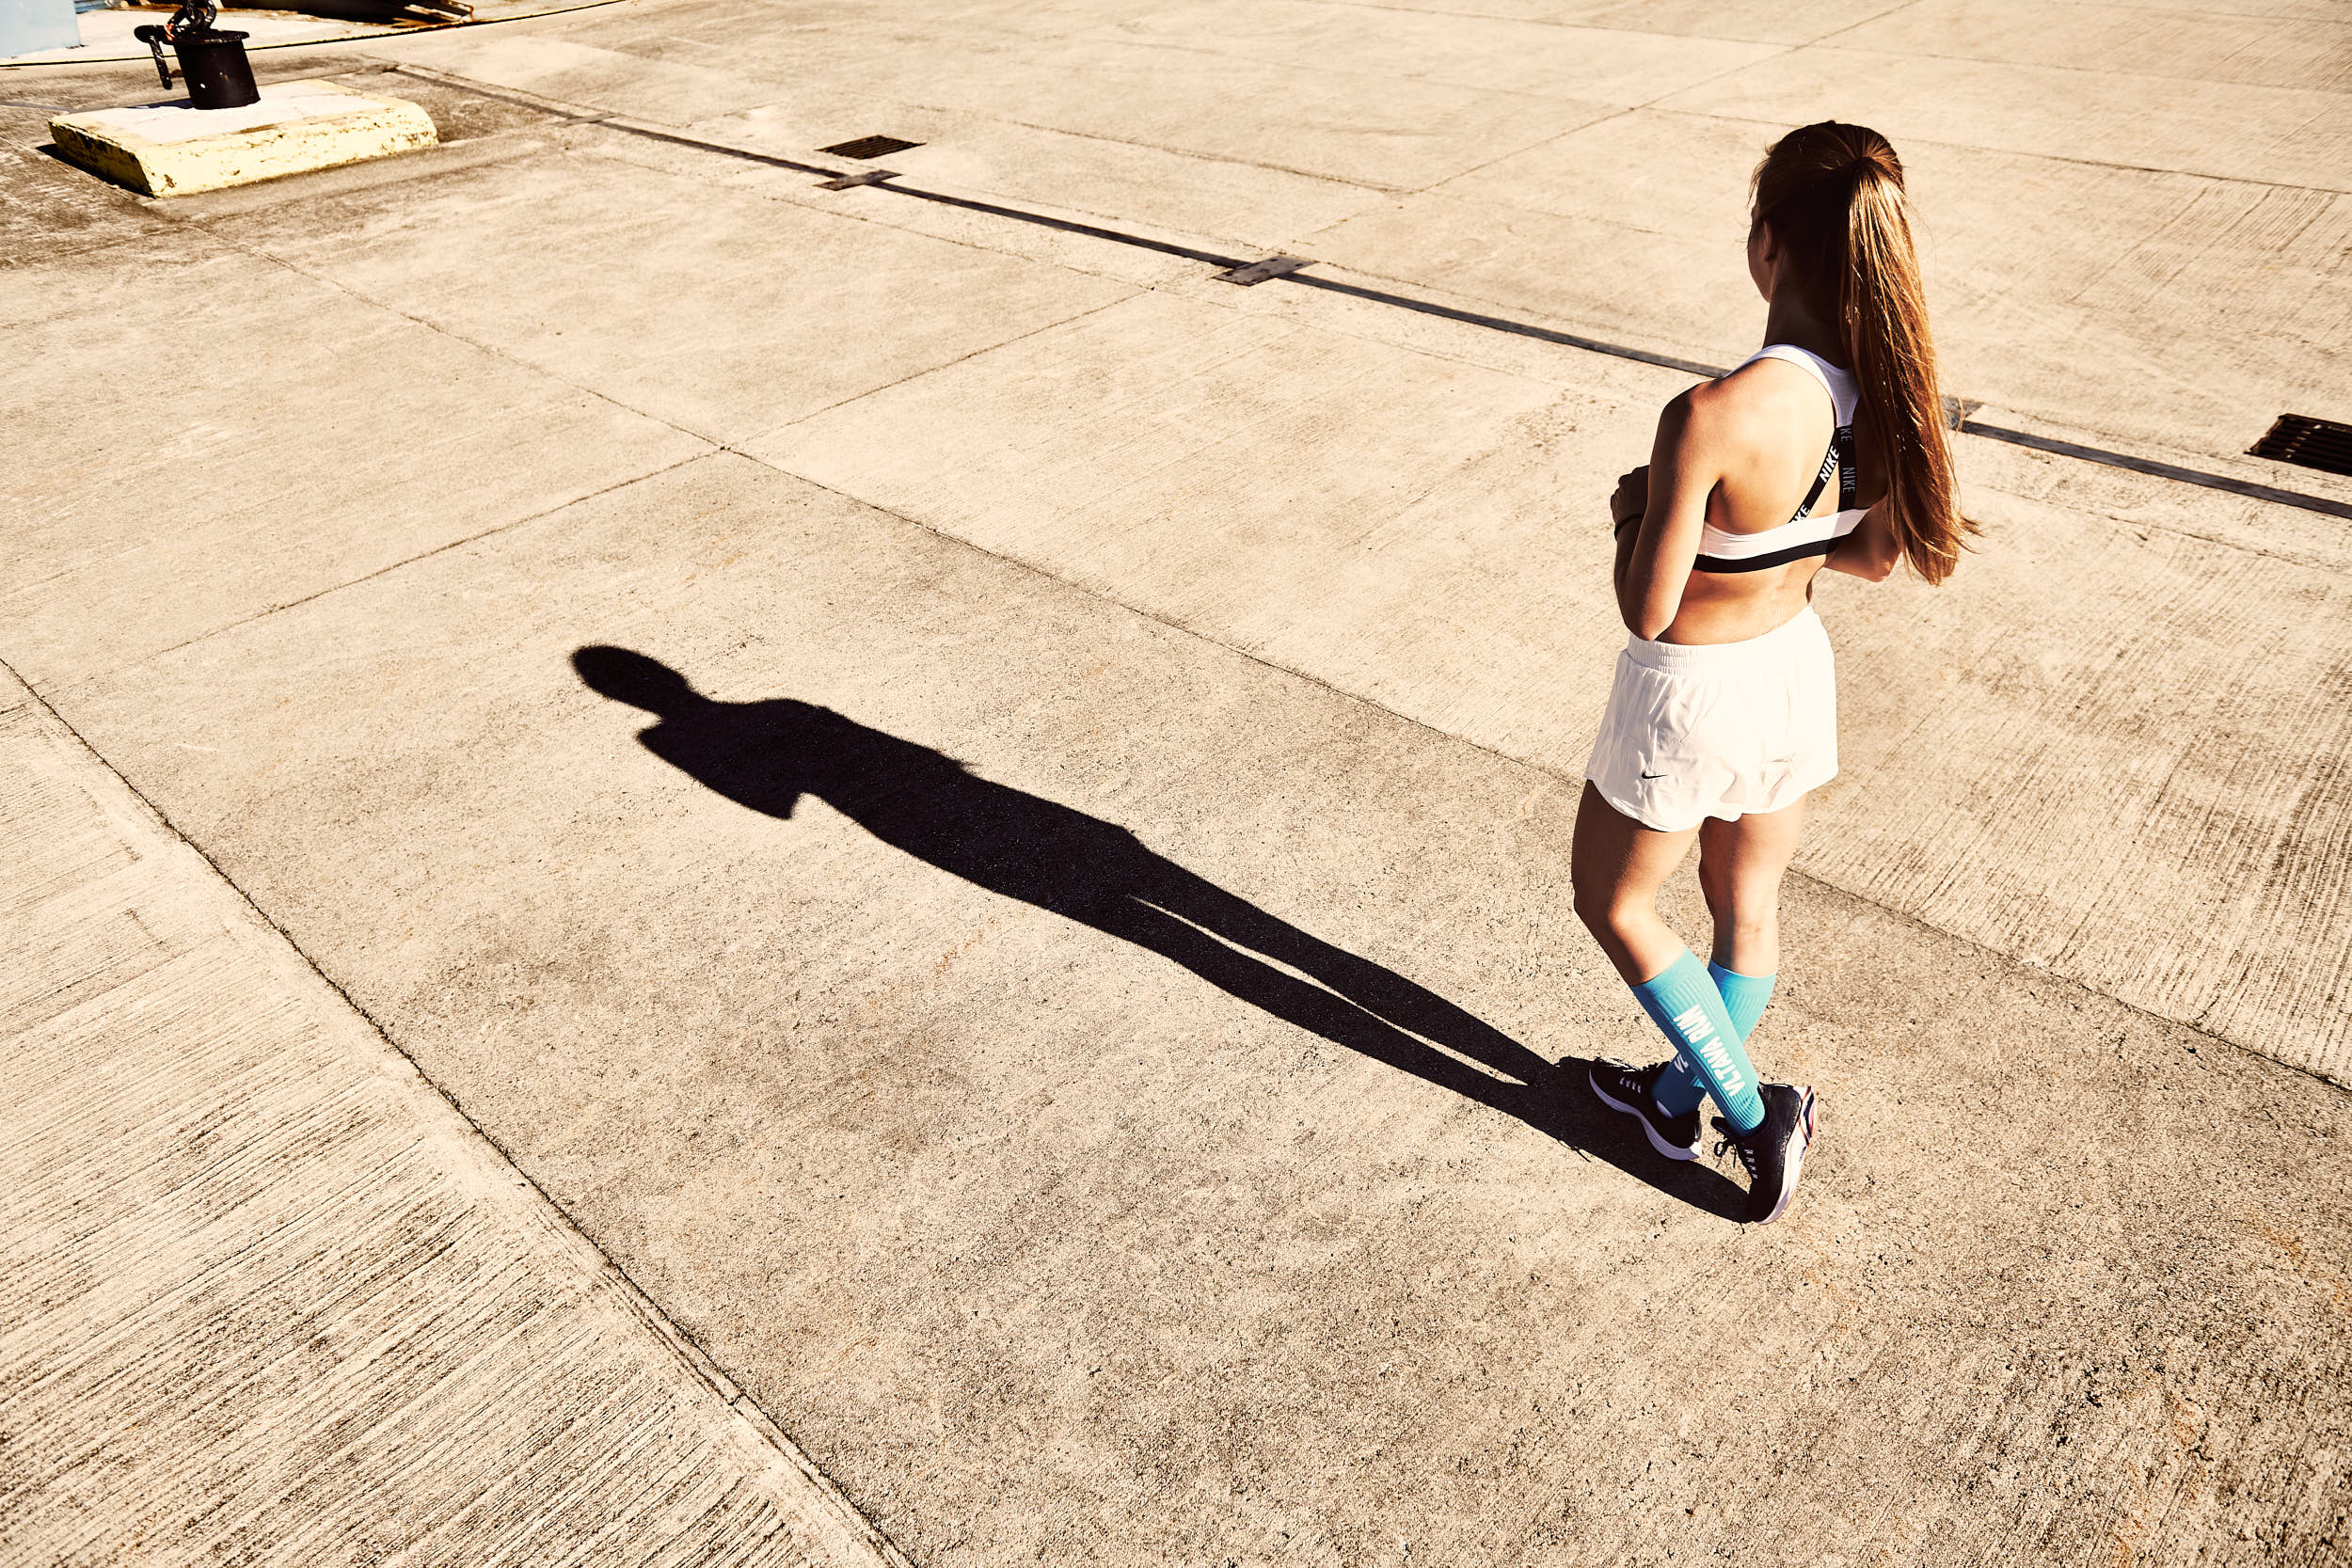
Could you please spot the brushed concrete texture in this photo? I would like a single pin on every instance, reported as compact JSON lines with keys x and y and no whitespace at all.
{"x":2222,"y":44}
{"x":819,"y":43}
{"x":2219,"y":304}
{"x":2300,"y":534}
{"x":758,"y":312}
{"x":666,"y":91}
{"x":2166,"y":804}
{"x":1400,"y":513}
{"x":2131,"y":703}
{"x":1381,"y":131}
{"x":2271,"y":135}
{"x":178,"y":480}
{"x":1056,"y":241}
{"x":1059,"y":1227}
{"x":1616,"y":277}
{"x":2319,"y":10}
{"x":1755,"y":21}
{"x":459,"y":114}
{"x":1133,"y":187}
{"x":1140,"y":1144}
{"x":2307,"y":535}
{"x":1070,"y":239}
{"x":265,"y":1298}
{"x":827,"y":33}
{"x":1593,"y":64}
{"x":50,"y":208}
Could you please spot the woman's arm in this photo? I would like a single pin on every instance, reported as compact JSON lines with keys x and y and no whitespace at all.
{"x":1686,"y":462}
{"x":1626,"y":507}
{"x":1870,"y":550}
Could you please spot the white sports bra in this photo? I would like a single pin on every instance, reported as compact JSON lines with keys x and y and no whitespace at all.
{"x":1801,"y":535}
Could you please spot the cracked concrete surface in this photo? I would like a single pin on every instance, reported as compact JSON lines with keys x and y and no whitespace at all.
{"x":1192,"y":1181}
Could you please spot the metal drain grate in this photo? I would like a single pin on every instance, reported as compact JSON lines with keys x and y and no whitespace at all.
{"x":869,"y":146}
{"x":2321,"y":444}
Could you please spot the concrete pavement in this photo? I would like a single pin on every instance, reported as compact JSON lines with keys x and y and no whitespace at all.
{"x":1195,"y":1184}
{"x":269,"y":1297}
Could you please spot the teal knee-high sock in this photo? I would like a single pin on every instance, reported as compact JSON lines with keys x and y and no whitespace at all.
{"x":1679,"y":1089}
{"x":1688,"y":1009}
{"x":1745,"y":996}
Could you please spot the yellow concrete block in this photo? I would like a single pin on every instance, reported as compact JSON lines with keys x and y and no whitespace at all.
{"x":173,"y":150}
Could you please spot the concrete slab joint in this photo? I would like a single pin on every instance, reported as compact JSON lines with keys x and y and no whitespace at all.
{"x":1259,"y":272}
{"x":511,"y":1334}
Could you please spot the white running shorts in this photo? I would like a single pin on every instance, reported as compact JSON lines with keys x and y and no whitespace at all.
{"x":1720,"y":729}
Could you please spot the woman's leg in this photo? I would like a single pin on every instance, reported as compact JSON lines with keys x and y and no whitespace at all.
{"x":1740,"y":865}
{"x":1618,"y":867}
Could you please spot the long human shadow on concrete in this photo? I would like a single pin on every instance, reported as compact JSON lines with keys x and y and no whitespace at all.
{"x":768,"y":754}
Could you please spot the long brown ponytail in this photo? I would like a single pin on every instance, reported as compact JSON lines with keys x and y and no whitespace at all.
{"x":1833,"y":195}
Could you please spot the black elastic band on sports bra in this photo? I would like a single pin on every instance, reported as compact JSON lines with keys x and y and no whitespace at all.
{"x":1770,"y":558}
{"x":1839,"y":456}
{"x":1829,"y":465}
{"x":1837,"y":459}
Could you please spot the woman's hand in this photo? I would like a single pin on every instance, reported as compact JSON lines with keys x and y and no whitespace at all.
{"x":1631,"y":498}
{"x":1871,"y":551}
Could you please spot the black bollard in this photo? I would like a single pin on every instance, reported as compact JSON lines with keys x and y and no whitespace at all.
{"x":214,"y":69}
{"x":212,"y":66}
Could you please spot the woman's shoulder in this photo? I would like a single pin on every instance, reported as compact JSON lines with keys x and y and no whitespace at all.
{"x":1770,"y":381}
{"x":1758,"y":400}
{"x":1763,"y":403}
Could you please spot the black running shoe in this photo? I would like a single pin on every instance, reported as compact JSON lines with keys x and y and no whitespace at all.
{"x":1774,"y":1152}
{"x":1630,"y":1089}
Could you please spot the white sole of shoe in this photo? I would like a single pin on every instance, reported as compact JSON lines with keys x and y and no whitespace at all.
{"x":1669,"y":1151}
{"x":1807,"y":1122}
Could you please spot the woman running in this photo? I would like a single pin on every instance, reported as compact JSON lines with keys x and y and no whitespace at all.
{"x":1723,"y":712}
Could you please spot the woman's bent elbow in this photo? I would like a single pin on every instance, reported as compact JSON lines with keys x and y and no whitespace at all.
{"x":1869,"y":568}
{"x":1641,"y":620}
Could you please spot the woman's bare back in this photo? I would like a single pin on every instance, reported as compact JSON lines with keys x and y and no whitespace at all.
{"x":1756,"y":436}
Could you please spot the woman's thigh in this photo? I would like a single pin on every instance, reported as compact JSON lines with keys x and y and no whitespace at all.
{"x":1747,"y":857}
{"x":1618,"y":865}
